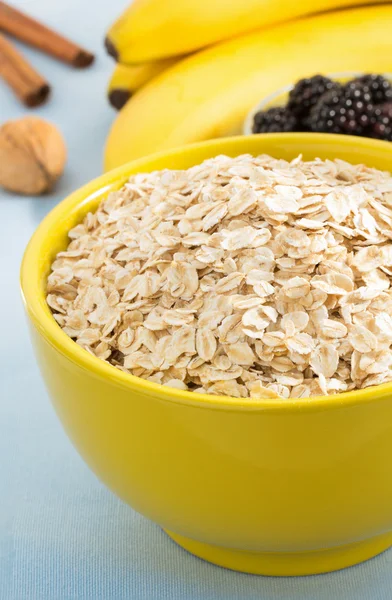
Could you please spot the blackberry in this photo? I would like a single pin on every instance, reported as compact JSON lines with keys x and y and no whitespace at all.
{"x":307,"y":92}
{"x":355,"y":91}
{"x":381,"y":126}
{"x":274,"y":120}
{"x":377,"y":86}
{"x":346,"y":111}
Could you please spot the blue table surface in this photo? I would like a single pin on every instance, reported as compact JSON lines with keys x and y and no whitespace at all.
{"x":63,"y":535}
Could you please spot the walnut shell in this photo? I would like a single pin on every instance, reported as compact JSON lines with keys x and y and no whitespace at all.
{"x":32,"y":155}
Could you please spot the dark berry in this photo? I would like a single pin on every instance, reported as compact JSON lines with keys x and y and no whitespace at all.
{"x":377,"y":86}
{"x":307,"y":92}
{"x":342,"y":111}
{"x":381,"y":126}
{"x":355,"y":91}
{"x":274,"y":120}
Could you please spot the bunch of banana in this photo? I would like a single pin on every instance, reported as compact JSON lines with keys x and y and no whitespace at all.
{"x":209,"y":93}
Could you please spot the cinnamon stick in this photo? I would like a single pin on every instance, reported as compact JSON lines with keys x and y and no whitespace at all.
{"x":26,"y":82}
{"x":32,"y":32}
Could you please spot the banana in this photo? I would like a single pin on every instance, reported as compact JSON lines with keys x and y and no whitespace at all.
{"x":127,"y":79}
{"x":208,"y":94}
{"x":154,"y":29}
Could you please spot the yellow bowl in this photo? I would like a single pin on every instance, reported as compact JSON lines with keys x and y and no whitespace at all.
{"x":270,"y":487}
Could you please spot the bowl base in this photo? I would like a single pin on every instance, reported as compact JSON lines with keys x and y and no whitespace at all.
{"x":286,"y":564}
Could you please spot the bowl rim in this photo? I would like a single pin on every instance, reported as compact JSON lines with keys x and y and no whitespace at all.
{"x":34,"y":298}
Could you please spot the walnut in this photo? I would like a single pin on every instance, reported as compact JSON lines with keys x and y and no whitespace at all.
{"x":32,"y":155}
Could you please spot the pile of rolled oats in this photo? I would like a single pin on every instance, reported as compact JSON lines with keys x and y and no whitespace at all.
{"x":240,"y":276}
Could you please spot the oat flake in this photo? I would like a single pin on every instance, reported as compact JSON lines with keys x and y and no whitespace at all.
{"x":246,"y":277}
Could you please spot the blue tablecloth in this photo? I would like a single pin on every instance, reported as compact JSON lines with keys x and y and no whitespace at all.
{"x":63,"y":535}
